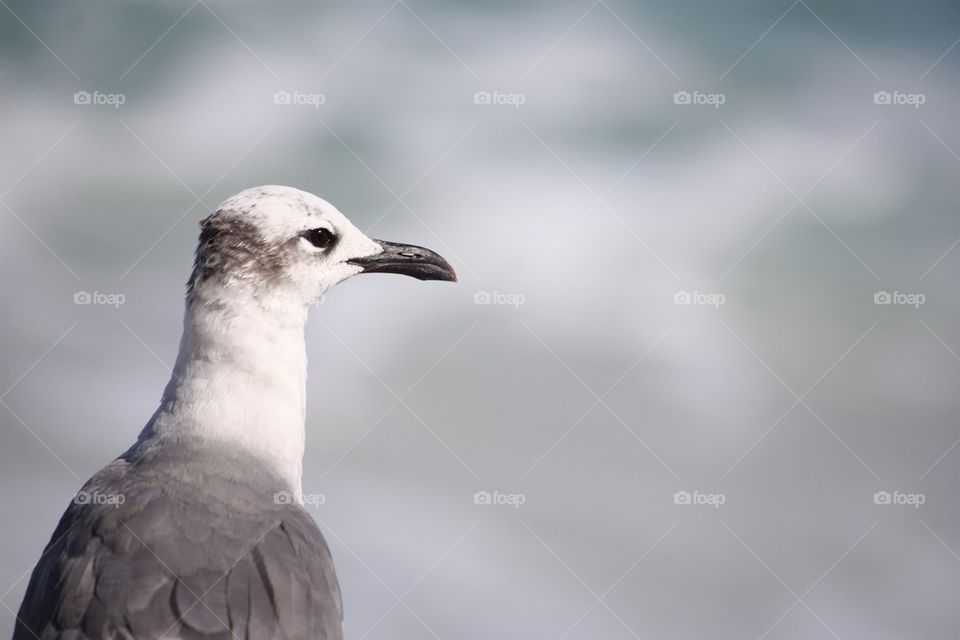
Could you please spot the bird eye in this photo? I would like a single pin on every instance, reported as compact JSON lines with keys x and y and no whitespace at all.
{"x":320,"y":238}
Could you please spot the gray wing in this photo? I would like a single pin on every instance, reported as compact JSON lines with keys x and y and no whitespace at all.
{"x":228,"y":563}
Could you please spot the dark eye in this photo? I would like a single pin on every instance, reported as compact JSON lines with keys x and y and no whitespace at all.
{"x":320,"y":238}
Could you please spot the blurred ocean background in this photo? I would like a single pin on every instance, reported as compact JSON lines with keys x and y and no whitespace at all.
{"x":776,"y":458}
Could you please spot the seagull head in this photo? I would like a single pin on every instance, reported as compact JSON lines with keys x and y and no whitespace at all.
{"x":279,"y":241}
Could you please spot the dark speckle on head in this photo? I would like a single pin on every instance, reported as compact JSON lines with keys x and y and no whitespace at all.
{"x":231,"y":249}
{"x":303,"y":205}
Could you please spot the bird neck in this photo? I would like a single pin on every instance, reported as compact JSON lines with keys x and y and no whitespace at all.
{"x":239,"y":382}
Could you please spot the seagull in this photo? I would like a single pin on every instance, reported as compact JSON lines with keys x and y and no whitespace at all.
{"x":196,"y":531}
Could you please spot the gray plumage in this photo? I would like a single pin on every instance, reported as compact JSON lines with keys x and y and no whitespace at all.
{"x":199,"y":548}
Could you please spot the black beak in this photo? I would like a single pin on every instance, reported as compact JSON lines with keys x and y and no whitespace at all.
{"x":408,"y":260}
